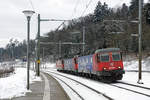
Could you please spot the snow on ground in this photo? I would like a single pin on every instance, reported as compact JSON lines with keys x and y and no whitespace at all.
{"x":15,"y":84}
{"x":114,"y":92}
{"x":133,"y":64}
{"x":48,"y":65}
{"x":83,"y":91}
{"x":132,"y":77}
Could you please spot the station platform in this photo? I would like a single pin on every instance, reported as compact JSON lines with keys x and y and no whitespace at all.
{"x":47,"y":89}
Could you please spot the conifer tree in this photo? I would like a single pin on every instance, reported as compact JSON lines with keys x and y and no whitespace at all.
{"x":100,"y":11}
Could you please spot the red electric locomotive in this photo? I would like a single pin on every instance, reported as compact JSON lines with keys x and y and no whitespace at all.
{"x":104,"y":64}
{"x":108,"y":64}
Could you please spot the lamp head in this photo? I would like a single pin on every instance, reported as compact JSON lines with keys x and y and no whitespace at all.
{"x":28,"y":13}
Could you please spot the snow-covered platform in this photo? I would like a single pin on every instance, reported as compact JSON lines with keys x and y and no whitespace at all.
{"x":47,"y":89}
{"x":37,"y":93}
{"x":44,"y":87}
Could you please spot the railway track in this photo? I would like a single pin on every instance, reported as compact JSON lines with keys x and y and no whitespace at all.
{"x":136,"y":71}
{"x":98,"y":92}
{"x":82,"y":98}
{"x":123,"y":85}
{"x":142,"y":87}
{"x":132,"y":90}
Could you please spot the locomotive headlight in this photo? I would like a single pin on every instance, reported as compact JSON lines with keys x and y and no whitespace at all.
{"x":104,"y":68}
{"x":119,"y":67}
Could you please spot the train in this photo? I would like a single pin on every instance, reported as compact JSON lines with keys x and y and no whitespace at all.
{"x":104,"y":64}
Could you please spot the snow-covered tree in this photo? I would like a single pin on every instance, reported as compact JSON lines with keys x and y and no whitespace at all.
{"x":100,"y":11}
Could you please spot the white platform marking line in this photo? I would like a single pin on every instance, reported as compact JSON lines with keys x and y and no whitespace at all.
{"x":46,"y":89}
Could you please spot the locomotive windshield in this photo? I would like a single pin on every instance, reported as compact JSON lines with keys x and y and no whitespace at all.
{"x":104,"y":58}
{"x":116,"y":57}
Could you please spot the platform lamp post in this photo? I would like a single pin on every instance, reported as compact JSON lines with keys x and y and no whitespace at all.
{"x":28,"y":14}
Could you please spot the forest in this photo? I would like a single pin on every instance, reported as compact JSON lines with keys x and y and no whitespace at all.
{"x":105,"y":28}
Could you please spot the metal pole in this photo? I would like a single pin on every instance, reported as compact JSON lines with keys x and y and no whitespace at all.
{"x":12,"y":53}
{"x":140,"y":44}
{"x":38,"y":48}
{"x":60,"y":49}
{"x":36,"y":55}
{"x":1,"y":55}
{"x":43,"y":57}
{"x":83,"y":39}
{"x":13,"y":58}
{"x":28,"y":61}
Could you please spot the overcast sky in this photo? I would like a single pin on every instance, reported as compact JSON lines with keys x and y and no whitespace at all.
{"x":13,"y":22}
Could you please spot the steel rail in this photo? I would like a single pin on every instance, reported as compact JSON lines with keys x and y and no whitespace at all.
{"x":69,"y":87}
{"x":130,"y":90}
{"x":98,"y":92}
{"x":134,"y":85}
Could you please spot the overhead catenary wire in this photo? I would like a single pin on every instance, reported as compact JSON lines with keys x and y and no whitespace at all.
{"x":75,"y":8}
{"x":77,"y":3}
{"x":74,"y":11}
{"x":60,"y":25}
{"x":86,"y":7}
{"x":31,"y":3}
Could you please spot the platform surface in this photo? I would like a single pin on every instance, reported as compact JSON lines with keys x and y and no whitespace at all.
{"x":47,"y":89}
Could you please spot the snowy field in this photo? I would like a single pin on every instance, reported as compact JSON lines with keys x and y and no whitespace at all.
{"x":15,"y":84}
{"x":133,"y":65}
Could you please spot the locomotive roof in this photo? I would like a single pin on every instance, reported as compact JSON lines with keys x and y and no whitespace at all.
{"x":107,"y":50}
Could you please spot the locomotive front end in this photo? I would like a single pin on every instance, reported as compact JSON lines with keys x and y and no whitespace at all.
{"x":110,"y":64}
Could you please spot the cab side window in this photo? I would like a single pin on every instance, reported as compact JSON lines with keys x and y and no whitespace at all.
{"x":116,"y":57}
